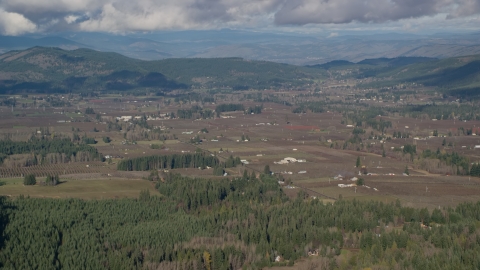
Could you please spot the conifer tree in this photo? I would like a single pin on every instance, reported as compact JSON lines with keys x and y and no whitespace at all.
{"x":29,"y":180}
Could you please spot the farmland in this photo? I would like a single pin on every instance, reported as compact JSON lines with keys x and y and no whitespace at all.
{"x":327,"y":174}
{"x":324,"y":140}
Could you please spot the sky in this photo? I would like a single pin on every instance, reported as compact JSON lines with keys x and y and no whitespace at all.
{"x":19,"y":17}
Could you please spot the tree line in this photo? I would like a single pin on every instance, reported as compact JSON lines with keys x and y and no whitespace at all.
{"x":195,"y":112}
{"x":173,"y":161}
{"x":230,"y":107}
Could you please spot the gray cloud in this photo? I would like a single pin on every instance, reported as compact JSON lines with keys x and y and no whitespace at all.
{"x":149,"y":15}
{"x":371,"y":11}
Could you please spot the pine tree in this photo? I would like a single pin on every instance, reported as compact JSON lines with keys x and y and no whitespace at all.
{"x":358,"y":164}
{"x":245,"y":175}
{"x":266,"y":170}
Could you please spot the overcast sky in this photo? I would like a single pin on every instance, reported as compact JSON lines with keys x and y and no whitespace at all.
{"x":124,"y":16}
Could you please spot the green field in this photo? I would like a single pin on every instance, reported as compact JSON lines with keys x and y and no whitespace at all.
{"x":84,"y":189}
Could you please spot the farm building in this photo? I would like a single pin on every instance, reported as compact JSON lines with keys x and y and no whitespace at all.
{"x":125,"y":118}
{"x":346,"y":185}
{"x":286,"y":160}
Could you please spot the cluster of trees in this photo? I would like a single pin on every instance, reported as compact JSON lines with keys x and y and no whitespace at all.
{"x":462,"y":163}
{"x":52,"y":180}
{"x":300,"y":109}
{"x":29,"y":180}
{"x":41,"y":148}
{"x":316,"y":107}
{"x":88,"y":140}
{"x":195,"y":112}
{"x":255,"y":110}
{"x":400,"y":135}
{"x":475,"y":170}
{"x":233,"y":224}
{"x":89,"y":111}
{"x":410,"y":149}
{"x":379,"y":125}
{"x":465,"y":131}
{"x":441,"y":112}
{"x":230,"y":107}
{"x":229,"y":163}
{"x":173,"y":161}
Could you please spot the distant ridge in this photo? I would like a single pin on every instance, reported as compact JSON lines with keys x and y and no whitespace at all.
{"x":11,"y":42}
{"x":458,"y":76}
{"x":384,"y":62}
{"x":46,"y":70}
{"x":332,"y":64}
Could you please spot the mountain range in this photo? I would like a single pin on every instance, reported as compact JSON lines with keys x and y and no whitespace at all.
{"x":292,"y":48}
{"x":45,"y":70}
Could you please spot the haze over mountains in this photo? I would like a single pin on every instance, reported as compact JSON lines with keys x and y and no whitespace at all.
{"x":282,"y":47}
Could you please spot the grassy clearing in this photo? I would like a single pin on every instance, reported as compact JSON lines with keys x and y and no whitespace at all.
{"x":84,"y":189}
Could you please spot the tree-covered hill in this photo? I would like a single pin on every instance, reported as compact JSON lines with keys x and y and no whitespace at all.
{"x":42,"y":69}
{"x":458,"y":76}
{"x":377,"y":65}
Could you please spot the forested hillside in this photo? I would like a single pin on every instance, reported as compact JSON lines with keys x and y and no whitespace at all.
{"x":233,"y":224}
{"x":458,"y":76}
{"x":47,"y":70}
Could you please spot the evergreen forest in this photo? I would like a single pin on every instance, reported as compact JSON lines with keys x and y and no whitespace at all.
{"x":233,"y":223}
